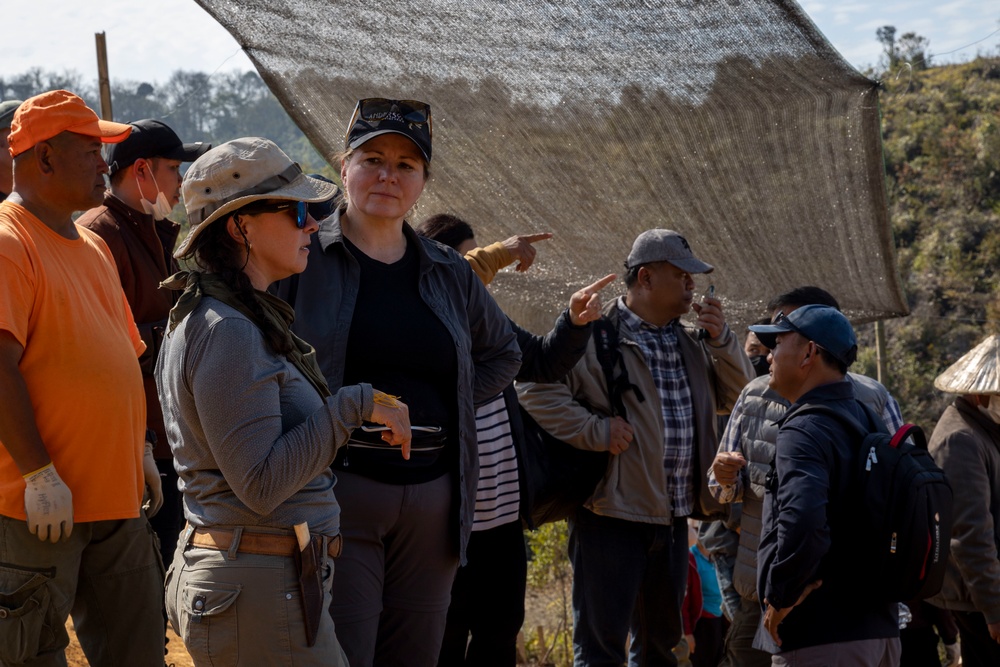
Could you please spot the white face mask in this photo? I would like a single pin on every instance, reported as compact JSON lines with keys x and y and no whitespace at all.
{"x":993,"y":409}
{"x":159,"y":209}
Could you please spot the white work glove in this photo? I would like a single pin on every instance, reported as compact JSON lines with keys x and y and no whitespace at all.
{"x":952,"y":652}
{"x":48,"y":502}
{"x":153,"y":482}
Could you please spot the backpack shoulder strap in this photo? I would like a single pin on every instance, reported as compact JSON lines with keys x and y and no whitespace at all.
{"x":609,"y":355}
{"x":847,"y":420}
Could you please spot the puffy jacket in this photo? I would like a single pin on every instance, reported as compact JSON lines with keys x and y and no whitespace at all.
{"x":755,"y":417}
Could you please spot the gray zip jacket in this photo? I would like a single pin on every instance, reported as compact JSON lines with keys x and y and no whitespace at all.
{"x":252,"y":440}
{"x":488,"y":357}
{"x":635,"y":485}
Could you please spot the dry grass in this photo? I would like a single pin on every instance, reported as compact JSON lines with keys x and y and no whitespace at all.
{"x":177,"y":657}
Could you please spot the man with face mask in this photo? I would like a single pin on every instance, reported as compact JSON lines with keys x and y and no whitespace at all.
{"x":145,"y":186}
{"x":744,"y":459}
{"x":966,"y":444}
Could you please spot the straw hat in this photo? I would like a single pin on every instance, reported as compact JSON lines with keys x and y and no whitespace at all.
{"x":978,"y":372}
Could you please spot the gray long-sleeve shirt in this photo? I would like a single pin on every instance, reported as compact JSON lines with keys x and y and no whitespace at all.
{"x":252,"y":440}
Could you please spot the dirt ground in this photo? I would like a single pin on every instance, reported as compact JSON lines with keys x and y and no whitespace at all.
{"x":542,"y":610}
{"x":177,"y":657}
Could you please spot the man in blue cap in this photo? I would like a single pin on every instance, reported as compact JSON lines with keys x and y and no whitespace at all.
{"x":814,"y":612}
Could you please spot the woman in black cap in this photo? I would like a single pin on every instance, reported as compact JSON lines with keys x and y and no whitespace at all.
{"x":409,"y":315}
{"x":251,"y":423}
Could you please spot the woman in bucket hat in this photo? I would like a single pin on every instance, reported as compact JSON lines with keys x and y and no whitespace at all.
{"x":409,"y":314}
{"x":252,"y":424}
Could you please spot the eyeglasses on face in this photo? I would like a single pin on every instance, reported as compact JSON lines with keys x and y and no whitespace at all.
{"x":299,"y":208}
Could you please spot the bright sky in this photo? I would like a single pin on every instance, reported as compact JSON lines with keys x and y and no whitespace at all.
{"x":149,"y":39}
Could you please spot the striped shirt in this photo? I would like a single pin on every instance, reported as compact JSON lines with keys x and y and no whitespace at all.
{"x":663,"y":356}
{"x":497,"y":494}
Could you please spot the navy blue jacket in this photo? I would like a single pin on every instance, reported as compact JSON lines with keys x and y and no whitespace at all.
{"x":809,"y":532}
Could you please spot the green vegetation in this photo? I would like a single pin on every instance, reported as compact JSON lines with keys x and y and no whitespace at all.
{"x":941,"y":142}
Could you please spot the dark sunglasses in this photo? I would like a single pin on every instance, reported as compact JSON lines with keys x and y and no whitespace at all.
{"x":300,"y":208}
{"x":374,"y":110}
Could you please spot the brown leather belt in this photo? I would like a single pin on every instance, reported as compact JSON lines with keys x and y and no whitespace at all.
{"x":265,"y":544}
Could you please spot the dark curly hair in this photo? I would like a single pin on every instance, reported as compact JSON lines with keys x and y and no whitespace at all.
{"x":216,"y":251}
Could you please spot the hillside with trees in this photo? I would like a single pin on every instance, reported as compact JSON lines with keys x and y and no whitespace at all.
{"x":941,"y":143}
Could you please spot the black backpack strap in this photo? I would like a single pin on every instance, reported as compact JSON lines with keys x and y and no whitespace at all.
{"x":609,"y":355}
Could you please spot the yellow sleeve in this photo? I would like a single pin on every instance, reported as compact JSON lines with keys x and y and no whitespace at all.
{"x":488,"y":261}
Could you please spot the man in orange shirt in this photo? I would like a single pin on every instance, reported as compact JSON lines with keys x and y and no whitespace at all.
{"x":72,"y":410}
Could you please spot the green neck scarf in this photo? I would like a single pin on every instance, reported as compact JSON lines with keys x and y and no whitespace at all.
{"x":278,"y":316}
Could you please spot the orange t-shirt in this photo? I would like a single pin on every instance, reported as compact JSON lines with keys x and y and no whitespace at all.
{"x":63,"y":301}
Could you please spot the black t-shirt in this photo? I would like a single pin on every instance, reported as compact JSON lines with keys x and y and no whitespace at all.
{"x":399,"y":346}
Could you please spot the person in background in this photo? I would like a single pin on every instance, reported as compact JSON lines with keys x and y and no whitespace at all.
{"x":386,"y":306}
{"x":321,"y":210}
{"x":251,"y":422}
{"x":966,"y":445}
{"x":145,"y":186}
{"x":928,"y":627}
{"x":486,"y":261}
{"x":710,"y":629}
{"x":635,"y":523}
{"x":691,"y":609}
{"x":72,"y":411}
{"x":7,"y":109}
{"x":744,"y":460}
{"x":487,"y":596}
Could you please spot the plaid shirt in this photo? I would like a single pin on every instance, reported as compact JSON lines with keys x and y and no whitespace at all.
{"x":663,"y":356}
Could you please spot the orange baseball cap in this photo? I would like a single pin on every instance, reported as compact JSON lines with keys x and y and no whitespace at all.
{"x":42,"y":117}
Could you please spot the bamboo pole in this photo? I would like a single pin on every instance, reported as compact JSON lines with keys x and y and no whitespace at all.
{"x":103,"y":81}
{"x":880,"y":352}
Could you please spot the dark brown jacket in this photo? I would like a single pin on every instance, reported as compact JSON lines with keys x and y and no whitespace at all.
{"x":143,"y":251}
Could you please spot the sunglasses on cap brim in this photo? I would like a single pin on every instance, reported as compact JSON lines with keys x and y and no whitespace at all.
{"x":374,"y":110}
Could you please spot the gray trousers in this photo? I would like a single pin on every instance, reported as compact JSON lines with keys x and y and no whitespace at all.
{"x":245,"y":610}
{"x":861,"y":653}
{"x":108,"y":574}
{"x":393,"y":588}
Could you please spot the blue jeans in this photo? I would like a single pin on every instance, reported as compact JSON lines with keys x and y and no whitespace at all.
{"x":628,"y":578}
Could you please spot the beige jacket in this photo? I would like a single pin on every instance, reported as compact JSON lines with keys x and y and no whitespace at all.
{"x":635,"y":486}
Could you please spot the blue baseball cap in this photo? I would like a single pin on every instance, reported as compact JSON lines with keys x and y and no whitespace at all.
{"x":823,"y":325}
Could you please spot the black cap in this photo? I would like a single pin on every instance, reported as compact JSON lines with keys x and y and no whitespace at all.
{"x":151,"y":138}
{"x":375,"y":116}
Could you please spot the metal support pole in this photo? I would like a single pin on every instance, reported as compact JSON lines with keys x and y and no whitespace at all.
{"x":880,"y":352}
{"x":104,"y":83}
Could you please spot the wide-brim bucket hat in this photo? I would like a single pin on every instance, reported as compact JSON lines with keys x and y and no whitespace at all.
{"x":976,"y":372}
{"x":238,"y":172}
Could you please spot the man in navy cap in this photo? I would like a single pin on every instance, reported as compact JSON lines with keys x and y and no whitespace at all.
{"x":145,"y":186}
{"x":814,"y":612}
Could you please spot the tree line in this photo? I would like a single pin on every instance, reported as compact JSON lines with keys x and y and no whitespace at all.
{"x":198,"y":106}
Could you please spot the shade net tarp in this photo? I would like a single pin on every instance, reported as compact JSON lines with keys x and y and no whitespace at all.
{"x":733,"y":122}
